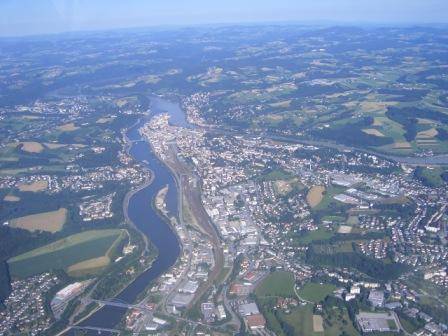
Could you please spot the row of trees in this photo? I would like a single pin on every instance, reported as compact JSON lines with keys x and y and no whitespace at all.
{"x":5,"y":287}
{"x":372,"y":267}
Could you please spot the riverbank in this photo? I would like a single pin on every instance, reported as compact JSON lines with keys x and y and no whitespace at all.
{"x":160,"y":200}
{"x":126,"y":200}
{"x":132,"y":192}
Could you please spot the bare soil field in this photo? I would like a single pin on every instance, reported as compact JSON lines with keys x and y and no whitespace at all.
{"x":377,"y":121}
{"x":88,"y":266}
{"x":11,"y":198}
{"x":283,"y":187}
{"x":424,"y":121}
{"x":282,"y":104}
{"x":32,"y":147}
{"x":403,"y":145}
{"x":318,"y":323}
{"x":51,"y":221}
{"x":369,"y":107}
{"x":34,"y":186}
{"x":104,"y":120}
{"x":345,"y":229}
{"x":70,"y":127}
{"x":427,"y":142}
{"x":373,"y":131}
{"x":54,"y":145}
{"x":396,"y":200}
{"x":428,"y":134}
{"x":274,"y":117}
{"x":121,"y":102}
{"x":315,"y":195}
{"x":30,"y":117}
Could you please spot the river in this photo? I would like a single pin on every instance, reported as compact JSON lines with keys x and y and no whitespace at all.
{"x":145,"y":218}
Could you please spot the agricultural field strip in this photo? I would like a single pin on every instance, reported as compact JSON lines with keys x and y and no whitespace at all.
{"x":67,"y":242}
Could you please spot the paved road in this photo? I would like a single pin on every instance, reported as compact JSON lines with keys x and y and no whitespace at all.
{"x":397,"y":321}
{"x":118,"y":304}
{"x":299,"y":297}
{"x":235,"y":320}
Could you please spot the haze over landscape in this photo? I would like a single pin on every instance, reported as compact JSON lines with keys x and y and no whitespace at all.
{"x":270,"y":168}
{"x":23,"y":17}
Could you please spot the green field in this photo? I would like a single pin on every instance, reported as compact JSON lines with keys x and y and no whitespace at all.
{"x":277,"y":174}
{"x":409,"y":324}
{"x":315,"y":292}
{"x":329,"y":206}
{"x":336,"y":247}
{"x":301,"y":319}
{"x":278,"y":283}
{"x":300,"y":322}
{"x":65,"y":252}
{"x":337,"y":322}
{"x":431,"y":177}
{"x":316,"y":235}
{"x":352,"y":220}
{"x":338,"y":219}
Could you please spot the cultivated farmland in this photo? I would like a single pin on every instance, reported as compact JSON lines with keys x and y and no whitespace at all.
{"x":51,"y":221}
{"x":70,"y":127}
{"x":35,"y":186}
{"x":32,"y":147}
{"x":315,"y":195}
{"x":65,"y":252}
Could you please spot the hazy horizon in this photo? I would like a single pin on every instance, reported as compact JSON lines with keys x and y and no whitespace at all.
{"x":27,"y":17}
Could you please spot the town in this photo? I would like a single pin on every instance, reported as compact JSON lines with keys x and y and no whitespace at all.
{"x":251,"y":192}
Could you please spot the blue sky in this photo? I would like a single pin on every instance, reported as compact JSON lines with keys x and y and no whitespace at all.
{"x":22,"y":17}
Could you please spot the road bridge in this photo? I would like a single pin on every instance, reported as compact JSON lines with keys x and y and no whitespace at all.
{"x":119,"y":304}
{"x":98,"y":329}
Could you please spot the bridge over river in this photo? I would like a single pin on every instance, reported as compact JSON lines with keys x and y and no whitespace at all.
{"x":114,"y":302}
